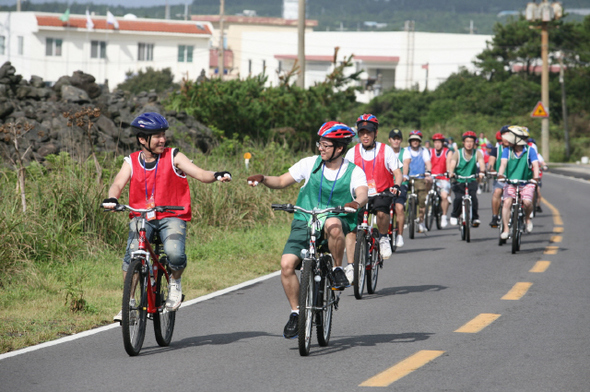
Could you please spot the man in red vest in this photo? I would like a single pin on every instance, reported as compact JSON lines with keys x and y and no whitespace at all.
{"x":157,"y":177}
{"x":440,"y":160}
{"x":380,"y":166}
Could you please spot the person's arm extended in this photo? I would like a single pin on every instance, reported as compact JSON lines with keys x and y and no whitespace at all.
{"x":272,"y":182}
{"x":182,"y":162}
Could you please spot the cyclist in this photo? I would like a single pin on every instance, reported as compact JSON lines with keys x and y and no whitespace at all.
{"x":157,"y":176}
{"x":395,"y":141}
{"x":417,"y":163}
{"x":330,"y":181}
{"x":519,"y":162}
{"x":440,"y":158}
{"x":380,"y":166}
{"x":464,"y":163}
{"x":494,"y":166}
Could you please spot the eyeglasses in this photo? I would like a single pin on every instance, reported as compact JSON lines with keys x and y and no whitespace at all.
{"x":323,"y":146}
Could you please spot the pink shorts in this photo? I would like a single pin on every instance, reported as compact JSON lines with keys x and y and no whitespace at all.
{"x":526,"y":191}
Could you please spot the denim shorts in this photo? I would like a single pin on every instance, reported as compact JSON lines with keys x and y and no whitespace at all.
{"x":172,"y":232}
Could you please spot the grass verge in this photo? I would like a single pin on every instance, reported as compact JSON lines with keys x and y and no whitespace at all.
{"x":35,"y":306}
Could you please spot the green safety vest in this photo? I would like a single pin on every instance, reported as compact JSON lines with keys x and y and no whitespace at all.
{"x":308,"y":194}
{"x":401,"y":159}
{"x":499,"y":157}
{"x":518,"y":167}
{"x":466,"y":168}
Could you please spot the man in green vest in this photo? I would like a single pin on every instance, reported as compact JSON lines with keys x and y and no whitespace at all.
{"x":464,"y":164}
{"x":494,"y":166}
{"x":330,"y":181}
{"x":519,"y":162}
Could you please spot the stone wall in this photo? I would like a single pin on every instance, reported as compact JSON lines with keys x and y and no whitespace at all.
{"x":43,"y":107}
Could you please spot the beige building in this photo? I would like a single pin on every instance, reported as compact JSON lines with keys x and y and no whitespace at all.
{"x":235,"y":27}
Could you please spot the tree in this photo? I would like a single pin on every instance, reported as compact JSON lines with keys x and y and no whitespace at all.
{"x":151,"y":79}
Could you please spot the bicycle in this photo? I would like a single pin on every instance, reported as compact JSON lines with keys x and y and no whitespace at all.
{"x":466,"y":211}
{"x":412,"y":206}
{"x":146,"y":287}
{"x":516,"y":225}
{"x":367,"y":256}
{"x":392,"y":230}
{"x":433,"y":208}
{"x":316,"y":291}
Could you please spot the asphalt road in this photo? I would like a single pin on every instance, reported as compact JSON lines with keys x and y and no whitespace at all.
{"x":447,"y":316}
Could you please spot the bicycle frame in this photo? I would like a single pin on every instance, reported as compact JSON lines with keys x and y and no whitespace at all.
{"x":465,"y":197}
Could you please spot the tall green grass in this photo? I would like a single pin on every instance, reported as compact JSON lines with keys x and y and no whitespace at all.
{"x":60,"y":262}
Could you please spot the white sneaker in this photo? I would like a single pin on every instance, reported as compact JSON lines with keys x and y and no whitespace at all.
{"x":443,"y":221}
{"x":174,"y":297}
{"x":504,"y":235}
{"x":349,"y":271}
{"x":454,"y":221}
{"x":529,"y":226}
{"x":421,"y":228}
{"x":118,"y":317}
{"x":479,"y":191}
{"x":399,"y":241}
{"x":384,"y":247}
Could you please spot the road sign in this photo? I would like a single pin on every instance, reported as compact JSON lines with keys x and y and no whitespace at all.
{"x":539,"y":111}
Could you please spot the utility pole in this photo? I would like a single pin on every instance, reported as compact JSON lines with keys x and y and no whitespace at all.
{"x":17,"y":5}
{"x":409,"y":28}
{"x":220,"y":62}
{"x":566,"y":134}
{"x":301,"y":44}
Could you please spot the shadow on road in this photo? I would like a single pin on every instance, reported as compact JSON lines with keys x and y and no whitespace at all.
{"x":404,"y":251}
{"x":404,"y":290}
{"x":346,"y":343}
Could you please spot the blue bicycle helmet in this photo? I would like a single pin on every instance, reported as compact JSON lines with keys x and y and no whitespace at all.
{"x":149,"y":124}
{"x":368,"y":122}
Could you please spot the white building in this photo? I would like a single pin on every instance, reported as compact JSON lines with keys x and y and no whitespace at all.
{"x":401,"y":59}
{"x":41,"y":44}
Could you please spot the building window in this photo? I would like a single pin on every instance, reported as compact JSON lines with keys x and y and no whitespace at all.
{"x":21,"y":45}
{"x":53,"y":46}
{"x":98,"y":49}
{"x":145,"y":52}
{"x":2,"y":44}
{"x":185,"y":53}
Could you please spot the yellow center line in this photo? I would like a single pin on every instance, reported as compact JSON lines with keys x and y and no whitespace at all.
{"x":556,"y":238}
{"x":551,"y":250}
{"x":558,"y":229}
{"x":478,"y":323}
{"x":556,"y":217}
{"x":402,"y":368}
{"x":540,"y":266}
{"x":518,"y":291}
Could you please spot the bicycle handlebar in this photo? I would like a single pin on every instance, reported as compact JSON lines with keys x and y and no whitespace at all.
{"x":516,"y":182}
{"x":123,"y":207}
{"x":291,"y":209}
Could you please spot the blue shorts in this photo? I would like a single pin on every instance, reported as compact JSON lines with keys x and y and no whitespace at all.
{"x":172,"y":232}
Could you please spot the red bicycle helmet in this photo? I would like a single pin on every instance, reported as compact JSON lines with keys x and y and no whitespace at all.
{"x":469,"y":134}
{"x":336,"y":130}
{"x":438,"y":136}
{"x":415,"y":134}
{"x":368,"y":122}
{"x":499,"y":136}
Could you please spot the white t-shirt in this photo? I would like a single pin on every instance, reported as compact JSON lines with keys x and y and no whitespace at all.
{"x":391,"y":161}
{"x":302,"y":171}
{"x":410,"y":154}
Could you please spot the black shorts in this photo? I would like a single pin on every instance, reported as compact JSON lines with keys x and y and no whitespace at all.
{"x":403,"y":195}
{"x":377,"y":203}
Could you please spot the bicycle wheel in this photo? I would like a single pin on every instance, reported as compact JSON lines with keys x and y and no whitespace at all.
{"x":373,"y":271}
{"x":501,"y":228}
{"x":535,"y":203}
{"x":360,"y":264}
{"x":306,"y":303}
{"x":411,"y":217}
{"x":393,"y":230}
{"x":429,"y":214}
{"x":163,"y":320}
{"x":324,"y":317}
{"x":468,"y":220}
{"x":134,"y":307}
{"x":515,"y":230}
{"x":438,"y":212}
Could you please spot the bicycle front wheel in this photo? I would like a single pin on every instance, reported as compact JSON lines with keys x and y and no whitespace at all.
{"x":163,"y":320}
{"x":134,"y":307}
{"x":373,"y":271}
{"x":411,"y":216}
{"x":515,"y":229}
{"x":393,"y":230}
{"x":360,"y":264}
{"x":438,"y":213}
{"x":306,"y":304}
{"x":430,"y":212}
{"x":324,"y":317}
{"x":468,"y":220}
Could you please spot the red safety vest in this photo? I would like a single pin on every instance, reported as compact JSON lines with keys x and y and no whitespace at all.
{"x":383,"y":178}
{"x":171,"y":188}
{"x":439,"y":163}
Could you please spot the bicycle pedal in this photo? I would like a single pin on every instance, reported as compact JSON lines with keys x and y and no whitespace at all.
{"x":338,"y":288}
{"x":182,"y":299}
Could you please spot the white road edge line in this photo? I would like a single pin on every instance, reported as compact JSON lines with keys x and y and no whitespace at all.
{"x":583,"y":181}
{"x":116,"y":325}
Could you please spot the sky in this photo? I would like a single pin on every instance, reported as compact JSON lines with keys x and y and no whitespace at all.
{"x":127,"y":3}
